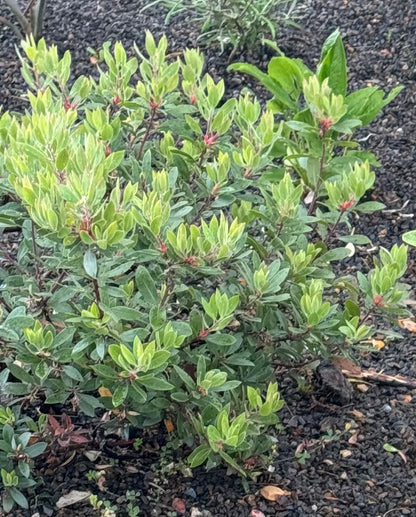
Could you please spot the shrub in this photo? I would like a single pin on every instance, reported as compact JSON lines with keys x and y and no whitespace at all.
{"x":174,"y":244}
{"x":29,"y":20}
{"x":233,"y":23}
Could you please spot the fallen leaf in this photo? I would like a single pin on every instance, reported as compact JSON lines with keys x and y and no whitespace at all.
{"x":92,"y":455}
{"x":196,"y":512}
{"x":362,"y":387}
{"x":403,"y":457}
{"x":101,"y":482}
{"x":169,"y":425}
{"x":69,"y":459}
{"x":73,"y":497}
{"x":179,"y":505}
{"x":407,"y":324}
{"x":273,"y":493}
{"x":104,"y":392}
{"x":329,"y":497}
{"x":345,"y":453}
{"x":378,"y":343}
{"x":256,"y":513}
{"x":347,"y":366}
{"x":351,"y":248}
{"x":357,"y":414}
{"x":309,"y":198}
{"x":353,"y":439}
{"x":405,"y":399}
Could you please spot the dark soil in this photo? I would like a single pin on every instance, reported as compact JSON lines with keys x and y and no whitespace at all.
{"x":348,"y":472}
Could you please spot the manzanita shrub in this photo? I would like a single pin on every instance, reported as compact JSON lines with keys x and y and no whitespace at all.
{"x":175,"y":244}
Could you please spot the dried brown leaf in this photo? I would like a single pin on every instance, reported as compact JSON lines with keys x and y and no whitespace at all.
{"x":273,"y":493}
{"x":353,"y":439}
{"x":357,"y":414}
{"x":408,"y":324}
{"x":73,"y":497}
{"x":362,"y":387}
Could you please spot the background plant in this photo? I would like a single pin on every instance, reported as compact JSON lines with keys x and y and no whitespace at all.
{"x":233,"y":23}
{"x":29,"y":21}
{"x":175,"y":244}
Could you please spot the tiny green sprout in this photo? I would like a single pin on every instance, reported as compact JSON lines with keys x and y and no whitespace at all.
{"x":137,"y":444}
{"x":390,"y":448}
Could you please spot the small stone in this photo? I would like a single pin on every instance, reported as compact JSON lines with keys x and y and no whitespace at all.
{"x":196,"y":512}
{"x":190,"y":492}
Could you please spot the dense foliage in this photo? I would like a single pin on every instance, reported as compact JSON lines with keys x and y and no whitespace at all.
{"x":174,"y":245}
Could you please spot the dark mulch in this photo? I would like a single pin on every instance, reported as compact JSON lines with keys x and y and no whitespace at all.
{"x":343,"y":476}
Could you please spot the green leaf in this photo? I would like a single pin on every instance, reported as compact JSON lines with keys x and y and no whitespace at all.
{"x":113,"y":160}
{"x":333,"y":64}
{"x":20,"y":373}
{"x":123,"y":313}
{"x":179,"y":396}
{"x":228,"y":459}
{"x":72,"y":372}
{"x":36,"y":449}
{"x":187,"y":379}
{"x":138,"y":393}
{"x":157,"y":317}
{"x":90,"y":263}
{"x":8,"y":502}
{"x":62,"y":160}
{"x":120,"y":394}
{"x":199,"y":455}
{"x":146,"y":285}
{"x":57,"y":398}
{"x":265,"y":79}
{"x":369,"y":206}
{"x":227,"y":386}
{"x":410,"y":238}
{"x":18,"y":497}
{"x":390,"y":448}
{"x":366,"y":103}
{"x":88,"y":404}
{"x":335,"y":254}
{"x":220,"y":339}
{"x":105,"y":371}
{"x":156,"y":383}
{"x":355,"y":239}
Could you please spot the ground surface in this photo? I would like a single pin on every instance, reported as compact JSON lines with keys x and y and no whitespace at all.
{"x":350,"y":475}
